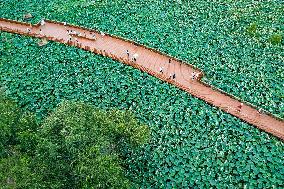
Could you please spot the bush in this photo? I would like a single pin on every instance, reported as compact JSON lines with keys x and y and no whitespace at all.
{"x":252,"y":29}
{"x":275,"y":39}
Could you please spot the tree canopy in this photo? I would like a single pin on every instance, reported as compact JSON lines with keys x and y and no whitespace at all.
{"x":76,"y":146}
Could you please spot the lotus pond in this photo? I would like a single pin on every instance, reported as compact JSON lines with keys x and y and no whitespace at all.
{"x":238,"y":44}
{"x":193,"y":144}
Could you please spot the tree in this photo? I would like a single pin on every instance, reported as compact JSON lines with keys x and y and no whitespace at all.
{"x":17,"y":142}
{"x":82,"y":146}
{"x":76,"y":146}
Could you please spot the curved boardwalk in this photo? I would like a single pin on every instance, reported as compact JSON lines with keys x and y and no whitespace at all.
{"x":151,"y":61}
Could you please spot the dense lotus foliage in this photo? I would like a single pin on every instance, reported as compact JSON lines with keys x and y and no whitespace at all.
{"x":238,"y":44}
{"x":192,"y":145}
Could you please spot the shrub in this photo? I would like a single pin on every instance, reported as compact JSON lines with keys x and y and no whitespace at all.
{"x":252,"y":29}
{"x":275,"y":39}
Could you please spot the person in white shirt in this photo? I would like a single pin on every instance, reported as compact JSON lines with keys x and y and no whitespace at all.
{"x":94,"y":36}
{"x":193,"y":75}
{"x":135,"y":56}
{"x":42,"y":22}
{"x":127,"y":53}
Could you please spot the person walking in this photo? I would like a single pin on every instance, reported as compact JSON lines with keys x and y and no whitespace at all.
{"x":170,"y":60}
{"x":239,"y":107}
{"x":161,"y":69}
{"x":193,"y":75}
{"x":198,"y":75}
{"x":135,"y":56}
{"x":260,"y":111}
{"x":127,"y":53}
{"x":42,"y":22}
{"x":174,"y":76}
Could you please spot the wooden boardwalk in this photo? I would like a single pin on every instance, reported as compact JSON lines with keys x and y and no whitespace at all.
{"x":151,"y":61}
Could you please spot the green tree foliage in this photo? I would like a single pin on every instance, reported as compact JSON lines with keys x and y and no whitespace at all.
{"x":17,"y":142}
{"x":80,"y":146}
{"x":8,"y":115}
{"x":77,"y":146}
{"x":17,"y":128}
{"x":16,"y":172}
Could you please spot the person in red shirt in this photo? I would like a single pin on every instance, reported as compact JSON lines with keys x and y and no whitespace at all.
{"x":240,"y":107}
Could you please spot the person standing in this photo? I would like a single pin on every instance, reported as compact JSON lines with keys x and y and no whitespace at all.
{"x":239,"y":107}
{"x":135,"y":56}
{"x":127,"y":53}
{"x":42,"y":22}
{"x":260,"y":111}
{"x":193,"y":75}
{"x":94,"y":37}
{"x":198,"y":75}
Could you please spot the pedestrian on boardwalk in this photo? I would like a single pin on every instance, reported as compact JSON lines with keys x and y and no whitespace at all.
{"x":170,"y":60}
{"x":170,"y":76}
{"x":94,"y":37}
{"x":76,"y":39}
{"x":127,"y":52}
{"x":161,"y":69}
{"x":174,"y":76}
{"x":64,"y":23}
{"x":103,"y":34}
{"x":42,"y":22}
{"x":193,"y":75}
{"x":40,"y":31}
{"x":198,"y":75}
{"x":240,"y":107}
{"x":260,"y":111}
{"x":28,"y":30}
{"x":135,"y":56}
